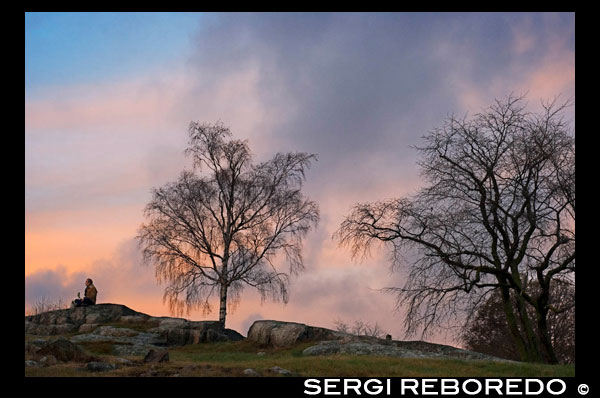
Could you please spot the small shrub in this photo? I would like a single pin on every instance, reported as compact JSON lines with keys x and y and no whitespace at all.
{"x":45,"y":304}
{"x":360,"y":328}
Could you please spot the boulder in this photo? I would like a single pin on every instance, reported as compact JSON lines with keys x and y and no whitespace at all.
{"x":132,"y":349}
{"x":157,"y":356}
{"x":32,"y":349}
{"x":64,"y":350}
{"x":281,"y":371}
{"x":215,"y":335}
{"x":178,"y":332}
{"x":177,"y":336}
{"x":100,"y":366}
{"x":38,"y":342}
{"x":48,"y":360}
{"x":250,"y":372}
{"x":31,"y":363}
{"x":124,"y":361}
{"x":286,"y":334}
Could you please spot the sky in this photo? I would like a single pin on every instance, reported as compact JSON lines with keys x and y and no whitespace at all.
{"x":109,"y":97}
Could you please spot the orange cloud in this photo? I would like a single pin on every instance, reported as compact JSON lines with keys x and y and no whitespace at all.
{"x":75,"y":238}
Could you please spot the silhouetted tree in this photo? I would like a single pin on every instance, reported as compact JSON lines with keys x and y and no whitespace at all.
{"x":219,"y":231}
{"x":497,"y":212}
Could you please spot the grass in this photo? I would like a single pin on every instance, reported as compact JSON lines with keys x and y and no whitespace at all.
{"x":243,"y":354}
{"x":231,"y":358}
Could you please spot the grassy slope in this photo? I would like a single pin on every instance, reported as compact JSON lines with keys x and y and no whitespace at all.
{"x":230,"y":359}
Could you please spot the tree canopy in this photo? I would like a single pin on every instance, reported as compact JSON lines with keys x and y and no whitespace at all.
{"x":219,"y":227}
{"x":497,"y":211}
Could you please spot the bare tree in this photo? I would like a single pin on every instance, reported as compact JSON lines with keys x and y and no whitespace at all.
{"x":497,"y":212}
{"x":219,"y":231}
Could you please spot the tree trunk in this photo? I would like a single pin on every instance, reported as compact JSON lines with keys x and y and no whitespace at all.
{"x":224,"y":285}
{"x":533,"y":342}
{"x":548,"y":350}
{"x":223,"y":304}
{"x":542,"y":328}
{"x":520,"y":345}
{"x":535,"y":345}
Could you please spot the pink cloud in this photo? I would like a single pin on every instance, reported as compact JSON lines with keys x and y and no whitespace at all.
{"x":551,"y":79}
{"x":93,"y":152}
{"x":139,"y":103}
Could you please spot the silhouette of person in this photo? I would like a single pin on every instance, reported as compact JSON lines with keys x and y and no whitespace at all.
{"x":89,"y":295}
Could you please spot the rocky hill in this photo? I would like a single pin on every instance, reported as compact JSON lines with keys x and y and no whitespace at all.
{"x":330,"y":342}
{"x":145,"y":331}
{"x":59,"y":335}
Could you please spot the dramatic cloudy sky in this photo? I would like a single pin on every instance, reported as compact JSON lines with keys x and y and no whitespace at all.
{"x":109,"y":96}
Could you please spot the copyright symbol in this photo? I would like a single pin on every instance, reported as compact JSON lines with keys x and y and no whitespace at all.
{"x":583,"y":389}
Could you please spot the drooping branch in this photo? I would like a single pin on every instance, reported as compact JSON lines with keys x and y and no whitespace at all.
{"x":224,"y":227}
{"x":497,"y":211}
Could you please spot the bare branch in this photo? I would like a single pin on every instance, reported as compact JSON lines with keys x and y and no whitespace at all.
{"x":497,"y":212}
{"x":219,"y":231}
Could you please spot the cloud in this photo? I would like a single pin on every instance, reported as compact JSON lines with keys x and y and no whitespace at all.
{"x":55,"y":285}
{"x":360,"y":90}
{"x":119,"y":278}
{"x":357,"y":89}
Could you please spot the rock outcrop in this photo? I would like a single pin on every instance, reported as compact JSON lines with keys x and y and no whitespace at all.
{"x":157,"y":356}
{"x":132,"y":333}
{"x":286,"y":334}
{"x":178,"y":331}
{"x":63,"y":350}
{"x":393,"y":349}
{"x":135,"y":334}
{"x":100,"y":366}
{"x":71,"y":319}
{"x":50,"y":352}
{"x":331,"y":342}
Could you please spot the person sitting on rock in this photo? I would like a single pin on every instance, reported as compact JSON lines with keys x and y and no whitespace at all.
{"x":89,"y":295}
